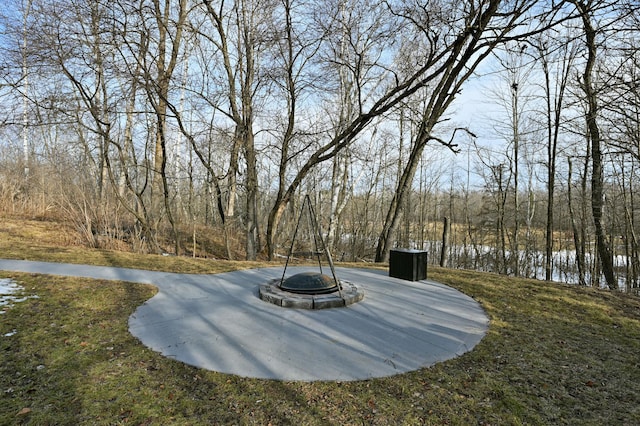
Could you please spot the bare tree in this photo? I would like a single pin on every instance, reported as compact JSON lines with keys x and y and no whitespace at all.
{"x":61,"y":51}
{"x":292,"y":68}
{"x":105,"y":68}
{"x":25,"y":80}
{"x":170,"y":20}
{"x":621,"y":116}
{"x":514,"y":96}
{"x":16,"y":21}
{"x":578,"y":236}
{"x":240,"y":58}
{"x":586,"y":10}
{"x":467,"y":35}
{"x":556,"y":64}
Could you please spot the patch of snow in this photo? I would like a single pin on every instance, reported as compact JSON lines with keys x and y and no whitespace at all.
{"x":11,"y":293}
{"x":8,"y":286}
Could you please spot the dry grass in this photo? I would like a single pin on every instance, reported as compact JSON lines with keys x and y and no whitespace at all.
{"x":553,"y":355}
{"x":56,"y":242}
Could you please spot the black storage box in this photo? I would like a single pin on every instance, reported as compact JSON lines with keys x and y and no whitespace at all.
{"x":408,"y":264}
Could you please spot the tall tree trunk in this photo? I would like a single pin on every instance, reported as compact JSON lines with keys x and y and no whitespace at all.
{"x":273,"y":221}
{"x":252,"y":197}
{"x":597,"y":178}
{"x":516,"y":178}
{"x":165,"y":65}
{"x":579,"y":246}
{"x":553,"y":111}
{"x":283,"y":197}
{"x":551,"y":176}
{"x":25,"y":93}
{"x":339,"y":197}
{"x":446,"y":231}
{"x":502,"y":193}
{"x":248,"y":75}
{"x":241,"y":74}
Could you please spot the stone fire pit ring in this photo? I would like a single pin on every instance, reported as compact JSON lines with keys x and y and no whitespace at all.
{"x":272,"y":293}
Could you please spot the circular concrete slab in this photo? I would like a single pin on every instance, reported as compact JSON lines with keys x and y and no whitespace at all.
{"x":219,"y":323}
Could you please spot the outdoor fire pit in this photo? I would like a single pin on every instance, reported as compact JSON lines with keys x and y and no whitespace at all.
{"x":310,"y":290}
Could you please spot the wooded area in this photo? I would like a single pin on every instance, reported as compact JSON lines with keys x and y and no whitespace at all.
{"x":197,"y":127}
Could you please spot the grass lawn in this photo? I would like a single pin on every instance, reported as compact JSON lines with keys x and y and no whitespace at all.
{"x":553,"y":354}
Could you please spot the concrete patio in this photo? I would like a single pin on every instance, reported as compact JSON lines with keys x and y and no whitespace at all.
{"x":218,"y":322}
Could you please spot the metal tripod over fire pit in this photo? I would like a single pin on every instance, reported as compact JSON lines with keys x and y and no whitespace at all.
{"x":310,"y":290}
{"x":310,"y":282}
